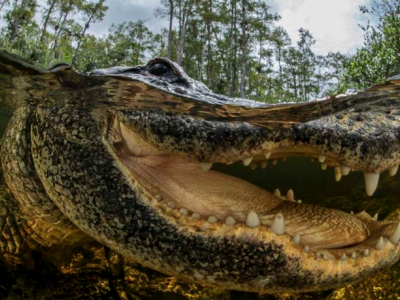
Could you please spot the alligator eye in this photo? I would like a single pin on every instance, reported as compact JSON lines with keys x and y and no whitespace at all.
{"x":158,"y":69}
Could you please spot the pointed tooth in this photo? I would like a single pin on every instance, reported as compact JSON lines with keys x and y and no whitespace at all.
{"x":375,"y":217}
{"x":296,"y":239}
{"x":299,"y":201}
{"x":352,"y":213}
{"x":394,"y":238}
{"x":196,"y":216}
{"x":252,"y":219}
{"x":338,"y":173}
{"x":290,"y":195}
{"x":379,"y":245}
{"x":206,"y":166}
{"x":267,"y":154}
{"x":274,"y":162}
{"x":318,"y":255}
{"x":393,"y":170}
{"x":277,"y":193}
{"x":321,"y":158}
{"x":278,"y":225}
{"x":183,"y":211}
{"x":324,"y":166}
{"x":325,"y":256}
{"x":247,"y":161}
{"x":253,"y":166}
{"x":353,"y":255}
{"x":345,"y":170}
{"x":171,"y":204}
{"x":230,"y":221}
{"x":264,"y":164}
{"x":306,"y":248}
{"x":366,"y":252}
{"x":371,"y":182}
{"x":158,"y":197}
{"x":343,"y":257}
{"x":212,"y":219}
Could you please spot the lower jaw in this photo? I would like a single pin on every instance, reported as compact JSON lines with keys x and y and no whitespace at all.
{"x":355,"y":262}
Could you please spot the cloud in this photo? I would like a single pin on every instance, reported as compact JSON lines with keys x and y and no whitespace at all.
{"x":332,"y":23}
{"x":129,"y":10}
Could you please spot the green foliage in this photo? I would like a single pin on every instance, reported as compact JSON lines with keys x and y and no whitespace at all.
{"x":379,"y":58}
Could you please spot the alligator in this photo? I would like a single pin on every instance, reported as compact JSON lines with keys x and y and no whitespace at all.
{"x":127,"y":156}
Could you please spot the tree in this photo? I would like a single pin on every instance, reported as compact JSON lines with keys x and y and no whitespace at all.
{"x":379,"y":58}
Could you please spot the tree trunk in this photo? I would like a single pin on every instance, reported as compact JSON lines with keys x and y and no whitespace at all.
{"x":171,"y":17}
{"x":231,"y":50}
{"x":60,"y":29}
{"x":46,"y":21}
{"x":17,"y":20}
{"x":185,"y":12}
{"x":3,"y":3}
{"x":244,"y":52}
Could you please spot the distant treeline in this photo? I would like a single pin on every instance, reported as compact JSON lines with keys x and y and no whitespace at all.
{"x":235,"y":47}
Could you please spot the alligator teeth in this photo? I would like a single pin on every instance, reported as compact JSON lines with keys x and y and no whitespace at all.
{"x":325,"y":256}
{"x":353,"y":255}
{"x":343,"y":257}
{"x":158,"y":197}
{"x":230,"y":221}
{"x":345,"y":170}
{"x":321,"y":158}
{"x":375,"y":217}
{"x":267,"y":155}
{"x":263,"y":164}
{"x":252,"y":219}
{"x":253,"y":166}
{"x":183,"y":211}
{"x":278,"y":225}
{"x":296,"y":239}
{"x":277,"y":193}
{"x":274,"y":162}
{"x":247,"y":161}
{"x":206,"y":166}
{"x":299,"y":201}
{"x":306,"y":249}
{"x":379,"y":245}
{"x":366,"y":252}
{"x":324,"y":166}
{"x":371,"y":182}
{"x":290,"y":195}
{"x":212,"y":219}
{"x":352,"y":213}
{"x":171,"y":204}
{"x":394,"y":238}
{"x":393,"y":170}
{"x":196,"y":216}
{"x":338,"y":173}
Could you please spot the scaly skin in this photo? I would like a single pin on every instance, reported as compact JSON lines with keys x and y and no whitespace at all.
{"x":69,"y":162}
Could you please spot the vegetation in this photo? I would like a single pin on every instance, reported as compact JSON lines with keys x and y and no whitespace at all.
{"x":235,"y":47}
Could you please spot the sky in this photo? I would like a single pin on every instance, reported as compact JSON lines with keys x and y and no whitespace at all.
{"x":333,"y":23}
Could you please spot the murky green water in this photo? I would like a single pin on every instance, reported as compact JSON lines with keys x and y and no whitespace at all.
{"x":5,"y":116}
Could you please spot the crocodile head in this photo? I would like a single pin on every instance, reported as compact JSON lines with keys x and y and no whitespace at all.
{"x":126,"y":155}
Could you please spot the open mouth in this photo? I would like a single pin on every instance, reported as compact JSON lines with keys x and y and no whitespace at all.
{"x":203,"y":197}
